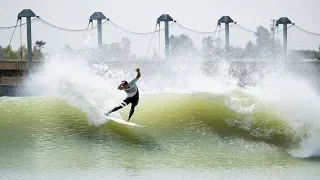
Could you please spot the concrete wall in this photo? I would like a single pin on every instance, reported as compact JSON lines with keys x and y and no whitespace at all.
{"x":10,"y":90}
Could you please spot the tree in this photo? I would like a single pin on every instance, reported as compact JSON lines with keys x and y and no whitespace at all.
{"x":207,"y":47}
{"x":317,"y":54}
{"x":210,"y":47}
{"x":250,"y":50}
{"x":182,"y":46}
{"x":236,"y":52}
{"x":1,"y":53}
{"x":36,"y":52}
{"x":115,"y":51}
{"x":303,"y":55}
{"x":9,"y":53}
{"x":22,"y":53}
{"x":40,"y":44}
{"x":265,"y":43}
{"x":219,"y":43}
{"x":125,"y":48}
{"x":67,"y":48}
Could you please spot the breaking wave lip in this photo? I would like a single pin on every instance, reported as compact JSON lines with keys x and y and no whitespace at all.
{"x":298,"y":101}
{"x":309,"y":148}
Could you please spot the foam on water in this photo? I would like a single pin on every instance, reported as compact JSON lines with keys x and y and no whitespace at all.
{"x":73,"y":80}
{"x":298,"y":101}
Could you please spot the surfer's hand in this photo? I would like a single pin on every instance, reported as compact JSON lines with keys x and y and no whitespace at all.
{"x":120,"y":87}
{"x":138,"y":70}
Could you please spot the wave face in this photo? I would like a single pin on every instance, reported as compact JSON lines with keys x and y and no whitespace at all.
{"x":168,"y":113}
{"x":49,"y":132}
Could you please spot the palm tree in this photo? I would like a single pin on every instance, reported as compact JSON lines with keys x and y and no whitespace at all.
{"x":40,"y":44}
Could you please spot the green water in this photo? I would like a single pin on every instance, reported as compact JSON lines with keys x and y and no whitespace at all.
{"x":47,"y":138}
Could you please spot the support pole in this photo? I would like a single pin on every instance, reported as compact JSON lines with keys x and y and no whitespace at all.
{"x":166,"y":18}
{"x":227,"y":40}
{"x":285,"y":39}
{"x":273,"y":28}
{"x":285,"y":21}
{"x":29,"y":42}
{"x":167,"y":37}
{"x":27,"y":13}
{"x":99,"y":32}
{"x":226,"y":20}
{"x":98,"y":16}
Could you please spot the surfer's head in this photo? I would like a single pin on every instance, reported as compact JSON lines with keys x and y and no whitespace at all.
{"x":124,"y":84}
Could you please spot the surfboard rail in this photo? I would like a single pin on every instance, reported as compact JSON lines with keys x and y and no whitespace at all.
{"x":121,"y":121}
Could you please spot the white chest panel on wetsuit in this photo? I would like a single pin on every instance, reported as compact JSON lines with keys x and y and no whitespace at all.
{"x":132,"y":90}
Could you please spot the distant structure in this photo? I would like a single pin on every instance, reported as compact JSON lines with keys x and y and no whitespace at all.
{"x":28,"y":13}
{"x":166,"y":18}
{"x":273,"y":27}
{"x":226,"y":20}
{"x":285,"y":21}
{"x":98,"y":16}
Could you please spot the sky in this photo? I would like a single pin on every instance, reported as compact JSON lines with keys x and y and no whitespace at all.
{"x":141,"y":15}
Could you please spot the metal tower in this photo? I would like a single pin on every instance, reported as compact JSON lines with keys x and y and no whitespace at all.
{"x":27,"y":13}
{"x":166,"y":18}
{"x":98,"y":16}
{"x":226,"y":20}
{"x":285,"y":21}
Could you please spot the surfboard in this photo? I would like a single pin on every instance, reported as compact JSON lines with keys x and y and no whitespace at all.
{"x":121,"y":121}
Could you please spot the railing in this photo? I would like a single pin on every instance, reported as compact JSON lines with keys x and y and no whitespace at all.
{"x":16,"y":64}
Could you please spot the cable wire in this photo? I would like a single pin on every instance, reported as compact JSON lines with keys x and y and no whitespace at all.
{"x":159,"y":42}
{"x":65,"y":29}
{"x":246,"y":29}
{"x":215,"y":32}
{"x":132,"y":32}
{"x":219,"y":41}
{"x":312,"y":33}
{"x":5,"y":54}
{"x":84,"y":37}
{"x":201,"y":32}
{"x":11,"y":27}
{"x":151,"y":38}
{"x":20,"y":41}
{"x":195,"y":31}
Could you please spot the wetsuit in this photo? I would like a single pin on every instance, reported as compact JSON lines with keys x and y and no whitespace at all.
{"x":132,"y":97}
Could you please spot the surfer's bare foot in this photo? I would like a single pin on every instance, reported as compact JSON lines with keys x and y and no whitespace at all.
{"x":128,"y":120}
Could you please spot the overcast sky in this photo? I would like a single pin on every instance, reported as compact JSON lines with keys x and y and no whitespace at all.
{"x":141,"y":15}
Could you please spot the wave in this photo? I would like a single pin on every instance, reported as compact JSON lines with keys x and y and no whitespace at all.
{"x":185,"y":97}
{"x":167,"y":113}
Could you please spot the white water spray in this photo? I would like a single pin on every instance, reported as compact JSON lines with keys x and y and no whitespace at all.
{"x":93,"y":89}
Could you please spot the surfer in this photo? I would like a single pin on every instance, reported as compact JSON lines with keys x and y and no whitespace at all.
{"x":132,"y":95}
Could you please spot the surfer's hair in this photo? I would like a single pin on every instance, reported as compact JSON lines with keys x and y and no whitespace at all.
{"x":124,"y":82}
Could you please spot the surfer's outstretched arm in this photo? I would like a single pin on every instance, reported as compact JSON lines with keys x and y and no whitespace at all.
{"x":139,"y":74}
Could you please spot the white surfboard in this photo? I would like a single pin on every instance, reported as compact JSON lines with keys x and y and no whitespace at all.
{"x":121,"y":121}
